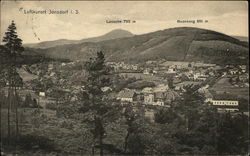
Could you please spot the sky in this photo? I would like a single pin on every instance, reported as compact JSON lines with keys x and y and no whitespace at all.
{"x":228,"y":17}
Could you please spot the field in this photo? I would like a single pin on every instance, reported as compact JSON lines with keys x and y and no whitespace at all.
{"x":26,"y":76}
{"x":145,"y":77}
{"x":223,"y":85}
{"x":42,"y":130}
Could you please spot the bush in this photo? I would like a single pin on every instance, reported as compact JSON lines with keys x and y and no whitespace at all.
{"x":28,"y":142}
{"x":51,"y":106}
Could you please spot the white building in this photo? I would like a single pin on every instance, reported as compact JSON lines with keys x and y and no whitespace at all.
{"x":225,"y":103}
{"x":42,"y":94}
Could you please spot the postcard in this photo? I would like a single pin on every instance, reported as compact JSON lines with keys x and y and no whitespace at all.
{"x":124,"y":78}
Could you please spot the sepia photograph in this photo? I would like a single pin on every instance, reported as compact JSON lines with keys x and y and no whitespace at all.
{"x":124,"y":78}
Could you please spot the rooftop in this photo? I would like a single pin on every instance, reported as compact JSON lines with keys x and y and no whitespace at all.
{"x":126,"y":93}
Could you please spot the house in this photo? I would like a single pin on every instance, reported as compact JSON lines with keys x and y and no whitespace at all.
{"x":148,"y":95}
{"x":106,"y":89}
{"x":126,"y":95}
{"x":244,"y":77}
{"x":233,"y":71}
{"x":52,"y":74}
{"x":134,"y":67}
{"x":155,"y":71}
{"x":155,"y":96}
{"x":243,"y":68}
{"x":159,"y":98}
{"x":171,"y":69}
{"x":202,"y":78}
{"x":147,"y":90}
{"x":211,"y":73}
{"x":50,"y":66}
{"x":42,"y":94}
{"x":149,"y":98}
{"x":200,"y":75}
{"x":146,"y":71}
{"x":161,"y":88}
{"x":225,"y":103}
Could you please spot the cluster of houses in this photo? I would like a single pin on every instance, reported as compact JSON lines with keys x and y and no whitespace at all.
{"x":122,"y":66}
{"x":193,"y":73}
{"x":160,"y":95}
{"x":233,"y":70}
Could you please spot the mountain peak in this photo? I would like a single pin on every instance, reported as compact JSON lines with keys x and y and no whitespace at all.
{"x":118,"y":33}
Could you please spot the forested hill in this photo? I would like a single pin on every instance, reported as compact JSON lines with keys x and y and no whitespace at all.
{"x":114,"y":34}
{"x":180,"y":44}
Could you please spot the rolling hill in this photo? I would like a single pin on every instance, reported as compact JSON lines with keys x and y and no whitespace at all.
{"x":180,"y":44}
{"x":114,"y":34}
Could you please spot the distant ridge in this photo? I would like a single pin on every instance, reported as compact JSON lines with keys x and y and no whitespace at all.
{"x":242,"y":38}
{"x":114,"y":34}
{"x":180,"y":44}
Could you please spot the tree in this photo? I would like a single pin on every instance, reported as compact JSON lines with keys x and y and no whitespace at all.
{"x":192,"y":100}
{"x":243,"y":104}
{"x":233,"y":137}
{"x":170,"y":82}
{"x":130,"y":117}
{"x":99,"y":105}
{"x":13,"y":43}
{"x":164,"y":116}
{"x":13,"y":49}
{"x":27,"y":101}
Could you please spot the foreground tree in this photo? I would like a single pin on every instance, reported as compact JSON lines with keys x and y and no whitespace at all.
{"x":98,"y":104}
{"x":12,"y":50}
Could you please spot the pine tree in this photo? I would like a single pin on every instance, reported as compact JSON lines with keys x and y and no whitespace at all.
{"x":192,"y":100}
{"x":99,"y":105}
{"x":13,"y":49}
{"x":13,"y":43}
{"x":130,"y":117}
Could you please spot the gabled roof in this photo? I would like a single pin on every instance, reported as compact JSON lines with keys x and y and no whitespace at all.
{"x":147,"y":90}
{"x":161,"y":88}
{"x":126,"y":93}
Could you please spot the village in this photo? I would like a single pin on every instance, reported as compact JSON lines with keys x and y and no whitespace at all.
{"x":154,"y":83}
{"x":182,"y":74}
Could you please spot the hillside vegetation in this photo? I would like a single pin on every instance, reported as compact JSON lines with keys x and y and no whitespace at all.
{"x":178,"y":44}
